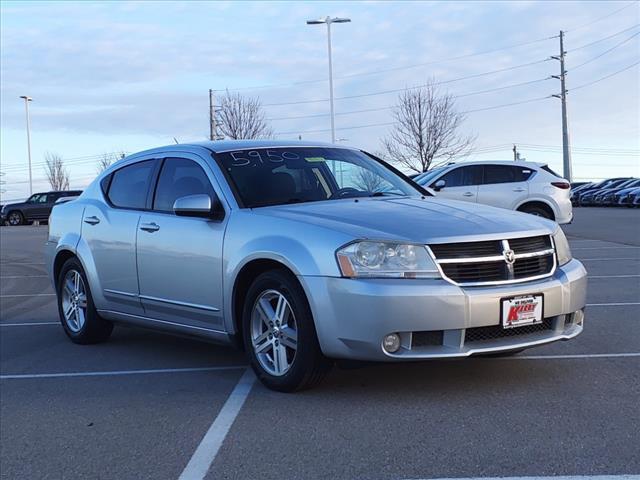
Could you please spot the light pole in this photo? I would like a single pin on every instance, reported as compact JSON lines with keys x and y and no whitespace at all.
{"x":328,"y":21}
{"x":26,"y":107}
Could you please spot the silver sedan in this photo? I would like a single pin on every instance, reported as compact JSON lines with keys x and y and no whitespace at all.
{"x":303,"y":253}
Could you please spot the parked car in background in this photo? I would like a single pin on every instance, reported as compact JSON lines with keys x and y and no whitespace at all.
{"x":259,"y":244}
{"x":37,"y":207}
{"x":588,"y":198}
{"x":628,"y":199}
{"x":635,"y":199}
{"x":586,"y":192}
{"x":575,"y":192}
{"x":608,"y":197}
{"x":524,"y":186}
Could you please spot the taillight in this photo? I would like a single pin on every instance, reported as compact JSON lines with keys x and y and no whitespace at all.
{"x":562,"y":185}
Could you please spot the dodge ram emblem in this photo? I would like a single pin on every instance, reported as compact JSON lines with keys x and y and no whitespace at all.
{"x":509,"y":256}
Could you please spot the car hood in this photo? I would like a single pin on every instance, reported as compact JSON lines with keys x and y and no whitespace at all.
{"x":7,"y":206}
{"x":428,"y":220}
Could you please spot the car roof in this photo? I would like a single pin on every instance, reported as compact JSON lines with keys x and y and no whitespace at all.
{"x":498,"y":162}
{"x":220,"y":146}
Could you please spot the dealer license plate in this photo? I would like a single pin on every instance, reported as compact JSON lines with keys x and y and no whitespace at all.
{"x":522,"y":310}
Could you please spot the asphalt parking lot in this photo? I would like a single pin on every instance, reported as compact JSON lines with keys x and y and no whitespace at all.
{"x":140,"y":405}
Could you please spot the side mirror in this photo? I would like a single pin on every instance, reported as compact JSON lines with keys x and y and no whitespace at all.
{"x":201,"y":205}
{"x":439,"y":185}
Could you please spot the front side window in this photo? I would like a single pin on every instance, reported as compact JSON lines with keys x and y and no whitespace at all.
{"x":463,"y":176}
{"x":38,"y":198}
{"x":130,"y":184}
{"x":179,"y":177}
{"x":276,"y":176}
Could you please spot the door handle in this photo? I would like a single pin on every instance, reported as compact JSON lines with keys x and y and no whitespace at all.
{"x":467,"y":194}
{"x":518,"y":189}
{"x":93,"y":220}
{"x":150,"y":227}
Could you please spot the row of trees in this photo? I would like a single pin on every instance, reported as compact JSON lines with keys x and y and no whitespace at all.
{"x":426,"y":130}
{"x":58,"y":175}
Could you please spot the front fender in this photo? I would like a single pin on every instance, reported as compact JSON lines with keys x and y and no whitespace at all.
{"x":298,"y":259}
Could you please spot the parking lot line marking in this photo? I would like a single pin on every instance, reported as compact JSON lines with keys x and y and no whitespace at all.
{"x":560,"y":477}
{"x":572,"y":356}
{"x":21,"y":263}
{"x":625,"y":247}
{"x":613,"y":276}
{"x":23,"y":276}
{"x":602,"y":259}
{"x":28,"y":324}
{"x":30,"y":295}
{"x":206,"y":452}
{"x":27,"y":376}
{"x":614,"y":304}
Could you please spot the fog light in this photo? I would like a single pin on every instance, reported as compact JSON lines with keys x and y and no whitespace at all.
{"x":391,"y":343}
{"x":579,"y":317}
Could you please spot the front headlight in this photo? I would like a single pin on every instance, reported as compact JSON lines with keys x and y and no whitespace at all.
{"x":563,"y":252}
{"x":386,"y":259}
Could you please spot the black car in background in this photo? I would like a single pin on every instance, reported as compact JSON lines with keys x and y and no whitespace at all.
{"x":37,"y":207}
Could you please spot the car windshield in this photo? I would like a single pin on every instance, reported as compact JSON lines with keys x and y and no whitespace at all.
{"x":277,"y":176}
{"x":425,"y":178}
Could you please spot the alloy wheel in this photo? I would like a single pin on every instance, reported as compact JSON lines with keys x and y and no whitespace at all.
{"x":14,"y":219}
{"x":74,"y":300}
{"x":274,"y":333}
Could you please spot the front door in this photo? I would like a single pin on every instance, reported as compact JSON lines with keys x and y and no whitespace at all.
{"x":180,"y":258}
{"x":461,"y":183}
{"x":39,"y":206}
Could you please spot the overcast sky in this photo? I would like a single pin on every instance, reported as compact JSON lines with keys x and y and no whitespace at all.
{"x":126,"y":76}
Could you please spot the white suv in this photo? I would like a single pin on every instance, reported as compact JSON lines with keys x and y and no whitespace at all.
{"x":524,"y":186}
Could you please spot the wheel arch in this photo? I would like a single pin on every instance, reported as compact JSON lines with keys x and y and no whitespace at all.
{"x":247,"y":273}
{"x":61,"y":257}
{"x":540,"y":204}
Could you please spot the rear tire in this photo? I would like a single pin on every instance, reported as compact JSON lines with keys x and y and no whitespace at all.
{"x":15,"y":218}
{"x":78,"y":314}
{"x":537,"y":211}
{"x":279,"y":334}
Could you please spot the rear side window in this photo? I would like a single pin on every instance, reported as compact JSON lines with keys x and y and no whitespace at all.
{"x":180,"y":177}
{"x":130,"y":184}
{"x":547,"y":169}
{"x":506,"y":174}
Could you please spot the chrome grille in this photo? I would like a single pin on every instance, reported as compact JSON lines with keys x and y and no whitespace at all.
{"x":496,"y":262}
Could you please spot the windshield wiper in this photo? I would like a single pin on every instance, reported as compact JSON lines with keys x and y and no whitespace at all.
{"x":382,"y":194}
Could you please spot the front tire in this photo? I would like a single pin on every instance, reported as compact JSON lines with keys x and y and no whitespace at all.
{"x":78,"y":314}
{"x":15,"y":218}
{"x":537,"y":211}
{"x":279,"y":334}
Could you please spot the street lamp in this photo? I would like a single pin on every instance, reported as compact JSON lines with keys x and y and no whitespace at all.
{"x":26,"y":107}
{"x":328,"y":21}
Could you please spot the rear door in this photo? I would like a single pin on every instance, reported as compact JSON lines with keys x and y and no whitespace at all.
{"x":180,"y":258}
{"x":504,"y":186}
{"x":461,"y":183}
{"x":109,"y":228}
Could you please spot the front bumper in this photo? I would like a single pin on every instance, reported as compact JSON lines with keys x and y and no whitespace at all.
{"x":352,"y":316}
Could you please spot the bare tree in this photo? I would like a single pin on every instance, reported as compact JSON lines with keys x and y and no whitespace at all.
{"x":57,"y":175}
{"x":427,"y":128}
{"x":106,"y":159}
{"x":242,"y":117}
